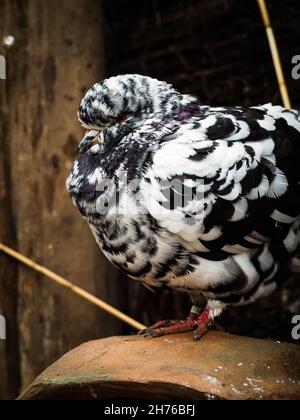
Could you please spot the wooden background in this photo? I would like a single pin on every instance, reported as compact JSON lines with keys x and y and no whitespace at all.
{"x":57,"y":56}
{"x":214,"y":48}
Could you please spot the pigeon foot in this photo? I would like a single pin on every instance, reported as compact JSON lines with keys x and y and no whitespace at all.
{"x":200,"y":324}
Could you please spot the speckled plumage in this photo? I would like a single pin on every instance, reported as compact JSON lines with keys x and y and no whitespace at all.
{"x":233,"y":233}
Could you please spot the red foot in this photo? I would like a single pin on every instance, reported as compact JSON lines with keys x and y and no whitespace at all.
{"x":197,"y":323}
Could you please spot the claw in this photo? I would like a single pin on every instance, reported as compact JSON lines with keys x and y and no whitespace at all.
{"x":160,"y":324}
{"x":200,"y":331}
{"x":154,"y":334}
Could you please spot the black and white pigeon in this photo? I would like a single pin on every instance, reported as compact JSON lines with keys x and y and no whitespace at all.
{"x":202,"y":200}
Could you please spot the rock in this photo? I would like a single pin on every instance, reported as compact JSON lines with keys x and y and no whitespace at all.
{"x":220,"y":366}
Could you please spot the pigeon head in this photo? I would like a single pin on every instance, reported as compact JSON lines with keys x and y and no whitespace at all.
{"x":126,"y":97}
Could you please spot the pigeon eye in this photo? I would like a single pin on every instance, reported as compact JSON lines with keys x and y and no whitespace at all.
{"x":122,"y":118}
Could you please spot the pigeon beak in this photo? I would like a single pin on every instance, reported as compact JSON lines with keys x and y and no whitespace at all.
{"x":97,"y":142}
{"x":92,"y":141}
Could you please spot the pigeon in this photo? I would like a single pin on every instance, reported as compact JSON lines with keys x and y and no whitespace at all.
{"x":199,"y":199}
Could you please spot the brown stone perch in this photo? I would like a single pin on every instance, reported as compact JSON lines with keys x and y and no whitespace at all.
{"x":220,"y":366}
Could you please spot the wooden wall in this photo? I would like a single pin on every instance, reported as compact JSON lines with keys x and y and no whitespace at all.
{"x":56,"y":57}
